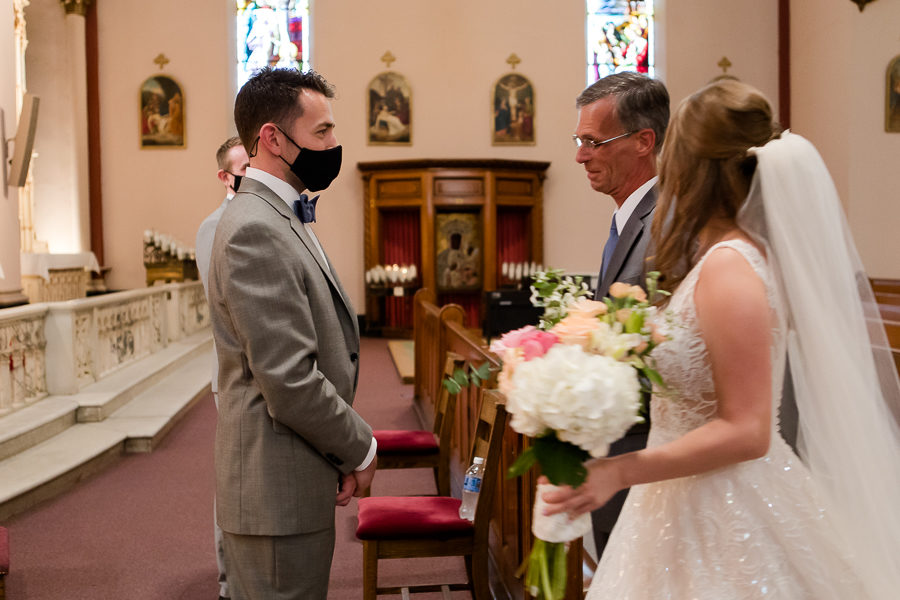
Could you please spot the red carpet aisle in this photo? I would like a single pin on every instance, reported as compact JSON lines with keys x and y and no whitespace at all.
{"x":142,"y":529}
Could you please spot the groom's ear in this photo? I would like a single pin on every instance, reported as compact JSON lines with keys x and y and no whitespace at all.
{"x":646,"y":141}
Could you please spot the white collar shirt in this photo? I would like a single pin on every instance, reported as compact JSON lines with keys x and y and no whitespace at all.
{"x":624,"y":212}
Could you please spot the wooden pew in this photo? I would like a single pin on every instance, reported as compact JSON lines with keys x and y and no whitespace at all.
{"x":437,"y":332}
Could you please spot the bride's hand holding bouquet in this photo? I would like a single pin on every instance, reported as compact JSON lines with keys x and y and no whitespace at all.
{"x":573,"y":386}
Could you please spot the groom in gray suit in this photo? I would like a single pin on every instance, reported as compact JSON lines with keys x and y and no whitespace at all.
{"x":622,"y":121}
{"x":289,"y":446}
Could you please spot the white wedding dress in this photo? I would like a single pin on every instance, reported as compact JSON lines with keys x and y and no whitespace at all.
{"x":757,"y":529}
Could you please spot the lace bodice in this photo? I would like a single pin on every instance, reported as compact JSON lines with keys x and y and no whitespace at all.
{"x":689,"y":400}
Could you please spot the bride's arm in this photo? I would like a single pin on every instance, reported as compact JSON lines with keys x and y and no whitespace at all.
{"x":734,"y":319}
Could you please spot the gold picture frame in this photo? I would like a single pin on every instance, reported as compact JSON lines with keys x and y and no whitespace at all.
{"x":892,"y":96}
{"x":162,"y":123}
{"x":389,"y":106}
{"x":513,"y":110}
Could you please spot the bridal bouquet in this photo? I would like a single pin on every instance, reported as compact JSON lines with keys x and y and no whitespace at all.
{"x":573,"y":385}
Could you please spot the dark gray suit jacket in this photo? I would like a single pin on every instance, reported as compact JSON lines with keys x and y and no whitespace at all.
{"x":627,"y":262}
{"x":288,"y":346}
{"x":627,"y":265}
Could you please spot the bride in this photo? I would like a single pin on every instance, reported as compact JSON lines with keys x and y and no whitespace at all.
{"x":761,"y":265}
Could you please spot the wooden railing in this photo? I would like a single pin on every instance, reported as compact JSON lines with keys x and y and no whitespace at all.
{"x":439,"y":330}
{"x":887,"y":294}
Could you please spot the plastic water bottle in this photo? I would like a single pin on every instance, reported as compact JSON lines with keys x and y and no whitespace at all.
{"x":471,"y":488}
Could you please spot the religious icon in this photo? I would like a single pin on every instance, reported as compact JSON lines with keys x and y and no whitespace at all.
{"x":162,"y":113}
{"x":513,"y":111}
{"x":892,"y":97}
{"x":458,"y":251}
{"x":389,"y":116}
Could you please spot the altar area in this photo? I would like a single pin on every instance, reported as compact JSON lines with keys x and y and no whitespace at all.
{"x":56,"y":277}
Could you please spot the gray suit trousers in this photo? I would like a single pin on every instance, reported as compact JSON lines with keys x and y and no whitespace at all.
{"x":280,"y":567}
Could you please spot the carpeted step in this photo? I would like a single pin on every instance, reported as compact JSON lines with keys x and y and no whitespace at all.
{"x":158,"y":394}
{"x":101,"y":399}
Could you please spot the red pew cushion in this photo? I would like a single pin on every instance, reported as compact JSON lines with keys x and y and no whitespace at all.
{"x":405,"y":442}
{"x":400,"y":517}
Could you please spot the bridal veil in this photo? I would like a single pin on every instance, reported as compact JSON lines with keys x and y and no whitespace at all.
{"x":845,"y":381}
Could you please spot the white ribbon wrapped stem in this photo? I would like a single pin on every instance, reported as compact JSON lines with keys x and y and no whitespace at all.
{"x":559,"y":527}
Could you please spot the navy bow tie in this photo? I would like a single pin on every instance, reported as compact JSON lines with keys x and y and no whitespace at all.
{"x":305,"y":209}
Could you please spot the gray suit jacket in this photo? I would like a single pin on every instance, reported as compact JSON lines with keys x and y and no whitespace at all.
{"x":288,"y":345}
{"x":203,"y":251}
{"x":627,"y":262}
{"x":627,"y":265}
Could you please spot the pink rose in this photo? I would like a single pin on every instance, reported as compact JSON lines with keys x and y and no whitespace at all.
{"x":532,"y":341}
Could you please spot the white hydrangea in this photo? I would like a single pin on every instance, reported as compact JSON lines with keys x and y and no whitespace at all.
{"x":588,"y":399}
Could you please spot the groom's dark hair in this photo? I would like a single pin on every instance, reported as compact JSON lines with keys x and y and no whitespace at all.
{"x":641,"y":102}
{"x":270,"y":96}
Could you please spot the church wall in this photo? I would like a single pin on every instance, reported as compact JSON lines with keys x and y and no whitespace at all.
{"x":838,"y":85}
{"x":451,"y":53}
{"x":48,"y":71}
{"x":9,"y":203}
{"x":170,"y":190}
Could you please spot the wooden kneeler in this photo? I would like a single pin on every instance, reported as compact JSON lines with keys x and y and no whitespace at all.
{"x":416,"y":449}
{"x":418,"y":526}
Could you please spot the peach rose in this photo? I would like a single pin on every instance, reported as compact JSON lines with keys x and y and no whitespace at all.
{"x":623,"y":290}
{"x":511,"y":359}
{"x":623,"y":314}
{"x":587,"y":308}
{"x":638,"y":293}
{"x":619,"y":290}
{"x":575,"y":329}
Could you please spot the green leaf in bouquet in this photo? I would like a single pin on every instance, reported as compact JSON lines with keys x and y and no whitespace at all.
{"x":451,"y":385}
{"x":460,"y":377}
{"x":562,"y":462}
{"x":524,"y":462}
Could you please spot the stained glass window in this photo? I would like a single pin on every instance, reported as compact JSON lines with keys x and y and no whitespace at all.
{"x":271,"y":33}
{"x":619,"y":37}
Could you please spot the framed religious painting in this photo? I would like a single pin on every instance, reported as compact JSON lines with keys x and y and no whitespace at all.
{"x":161,"y":113}
{"x":892,"y":97}
{"x":389,"y":110}
{"x":512,"y":102}
{"x":458,"y":251}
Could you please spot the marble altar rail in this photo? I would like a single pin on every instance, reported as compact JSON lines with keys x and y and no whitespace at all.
{"x":58,"y":348}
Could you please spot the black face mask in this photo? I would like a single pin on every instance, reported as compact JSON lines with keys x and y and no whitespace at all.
{"x":237,"y":181}
{"x":315,"y":168}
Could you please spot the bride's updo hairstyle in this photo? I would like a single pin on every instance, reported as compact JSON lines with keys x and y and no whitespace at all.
{"x":705,"y":171}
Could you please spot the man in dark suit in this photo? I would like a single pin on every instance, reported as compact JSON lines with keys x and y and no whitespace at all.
{"x":622,"y":121}
{"x":289,"y":445}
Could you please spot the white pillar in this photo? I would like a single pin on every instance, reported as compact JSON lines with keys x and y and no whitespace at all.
{"x":75,"y":44}
{"x":11,"y":282}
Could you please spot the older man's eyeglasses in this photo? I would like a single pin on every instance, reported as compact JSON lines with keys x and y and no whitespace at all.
{"x":581,"y":140}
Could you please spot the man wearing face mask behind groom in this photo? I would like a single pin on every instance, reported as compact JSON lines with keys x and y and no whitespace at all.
{"x":289,"y":446}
